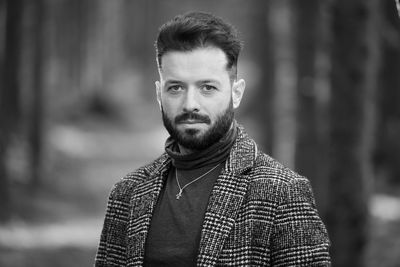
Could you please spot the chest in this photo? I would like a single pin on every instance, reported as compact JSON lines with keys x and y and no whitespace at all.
{"x":236,"y":228}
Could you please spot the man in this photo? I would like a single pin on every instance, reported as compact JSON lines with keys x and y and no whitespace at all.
{"x":212,"y":198}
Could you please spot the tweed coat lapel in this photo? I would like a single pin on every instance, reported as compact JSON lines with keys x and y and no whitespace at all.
{"x":226,"y":199}
{"x":144,"y":198}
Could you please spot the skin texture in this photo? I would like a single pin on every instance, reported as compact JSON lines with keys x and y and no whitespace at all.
{"x":195,"y":93}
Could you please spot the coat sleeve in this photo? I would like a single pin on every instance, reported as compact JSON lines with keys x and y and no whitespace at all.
{"x":112,"y":247}
{"x":299,"y":237}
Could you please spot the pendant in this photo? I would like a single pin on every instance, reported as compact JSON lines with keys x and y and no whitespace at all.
{"x":178,"y":196}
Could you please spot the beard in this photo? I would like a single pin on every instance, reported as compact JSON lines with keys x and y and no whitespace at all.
{"x":191,"y":138}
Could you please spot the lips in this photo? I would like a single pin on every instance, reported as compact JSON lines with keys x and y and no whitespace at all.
{"x":191,"y":122}
{"x":192,"y":118}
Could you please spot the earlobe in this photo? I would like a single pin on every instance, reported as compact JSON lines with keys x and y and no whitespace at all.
{"x":237,"y":92}
{"x":158,"y":92}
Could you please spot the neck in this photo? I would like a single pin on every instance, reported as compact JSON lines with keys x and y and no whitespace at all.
{"x":185,"y":151}
{"x":184,"y":158}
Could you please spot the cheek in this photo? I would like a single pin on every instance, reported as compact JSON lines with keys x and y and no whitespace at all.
{"x":218,"y":109}
{"x":168,"y":106}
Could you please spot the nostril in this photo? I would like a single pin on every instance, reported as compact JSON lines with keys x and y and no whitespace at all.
{"x":189,"y":109}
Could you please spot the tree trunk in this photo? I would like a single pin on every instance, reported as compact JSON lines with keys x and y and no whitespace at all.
{"x":285,"y":79}
{"x":313,"y":68}
{"x":322,"y":101}
{"x":353,"y":80}
{"x":259,"y":48}
{"x":4,"y":177}
{"x":9,"y":94}
{"x":387,"y":155}
{"x":10,"y":101}
{"x":307,"y":134}
{"x":37,"y":111}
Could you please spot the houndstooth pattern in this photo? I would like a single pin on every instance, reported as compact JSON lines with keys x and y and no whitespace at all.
{"x":259,"y":214}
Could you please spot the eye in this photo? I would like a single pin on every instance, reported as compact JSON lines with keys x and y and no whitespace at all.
{"x":208,"y":88}
{"x":175,"y":88}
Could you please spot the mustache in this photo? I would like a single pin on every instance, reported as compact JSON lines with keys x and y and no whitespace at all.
{"x":192,"y":116}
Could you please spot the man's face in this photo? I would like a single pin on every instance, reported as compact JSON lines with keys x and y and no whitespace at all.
{"x":196,"y":96}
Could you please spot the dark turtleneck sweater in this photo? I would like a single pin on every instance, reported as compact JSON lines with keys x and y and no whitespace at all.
{"x":174,"y":235}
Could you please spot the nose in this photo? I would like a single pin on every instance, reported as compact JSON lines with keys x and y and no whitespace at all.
{"x":191,"y":101}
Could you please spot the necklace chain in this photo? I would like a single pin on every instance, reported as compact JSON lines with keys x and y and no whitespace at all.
{"x":186,"y":185}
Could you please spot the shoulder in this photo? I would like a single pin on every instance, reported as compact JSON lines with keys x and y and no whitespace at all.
{"x":282,"y":183}
{"x":267,"y":167}
{"x":123,"y":188}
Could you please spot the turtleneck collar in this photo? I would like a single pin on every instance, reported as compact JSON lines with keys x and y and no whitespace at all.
{"x":210,"y":156}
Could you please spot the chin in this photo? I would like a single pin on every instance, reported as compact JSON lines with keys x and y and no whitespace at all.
{"x":193,"y":129}
{"x":193,"y":132}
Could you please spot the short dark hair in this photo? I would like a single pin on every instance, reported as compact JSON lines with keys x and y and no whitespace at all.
{"x":198,"y":29}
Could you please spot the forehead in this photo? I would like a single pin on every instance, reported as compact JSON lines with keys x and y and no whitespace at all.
{"x":200,"y":63}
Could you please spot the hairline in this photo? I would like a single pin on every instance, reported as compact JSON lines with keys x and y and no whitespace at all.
{"x":232,"y":71}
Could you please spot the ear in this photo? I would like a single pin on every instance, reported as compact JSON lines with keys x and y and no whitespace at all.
{"x":158,"y":92}
{"x":237,"y":92}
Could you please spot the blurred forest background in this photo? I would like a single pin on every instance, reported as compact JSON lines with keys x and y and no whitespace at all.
{"x":78,"y":111}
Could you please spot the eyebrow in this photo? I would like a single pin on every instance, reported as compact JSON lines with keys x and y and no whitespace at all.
{"x":208,"y":81}
{"x":167,"y":82}
{"x":173,"y":82}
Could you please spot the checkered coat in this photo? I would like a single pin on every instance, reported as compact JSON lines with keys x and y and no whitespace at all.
{"x":259,"y":214}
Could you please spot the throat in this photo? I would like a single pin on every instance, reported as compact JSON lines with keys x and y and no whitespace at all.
{"x":186,"y":151}
{"x":184,"y":158}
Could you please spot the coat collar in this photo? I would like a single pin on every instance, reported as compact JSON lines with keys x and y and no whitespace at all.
{"x":224,"y":202}
{"x":243,"y":153}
